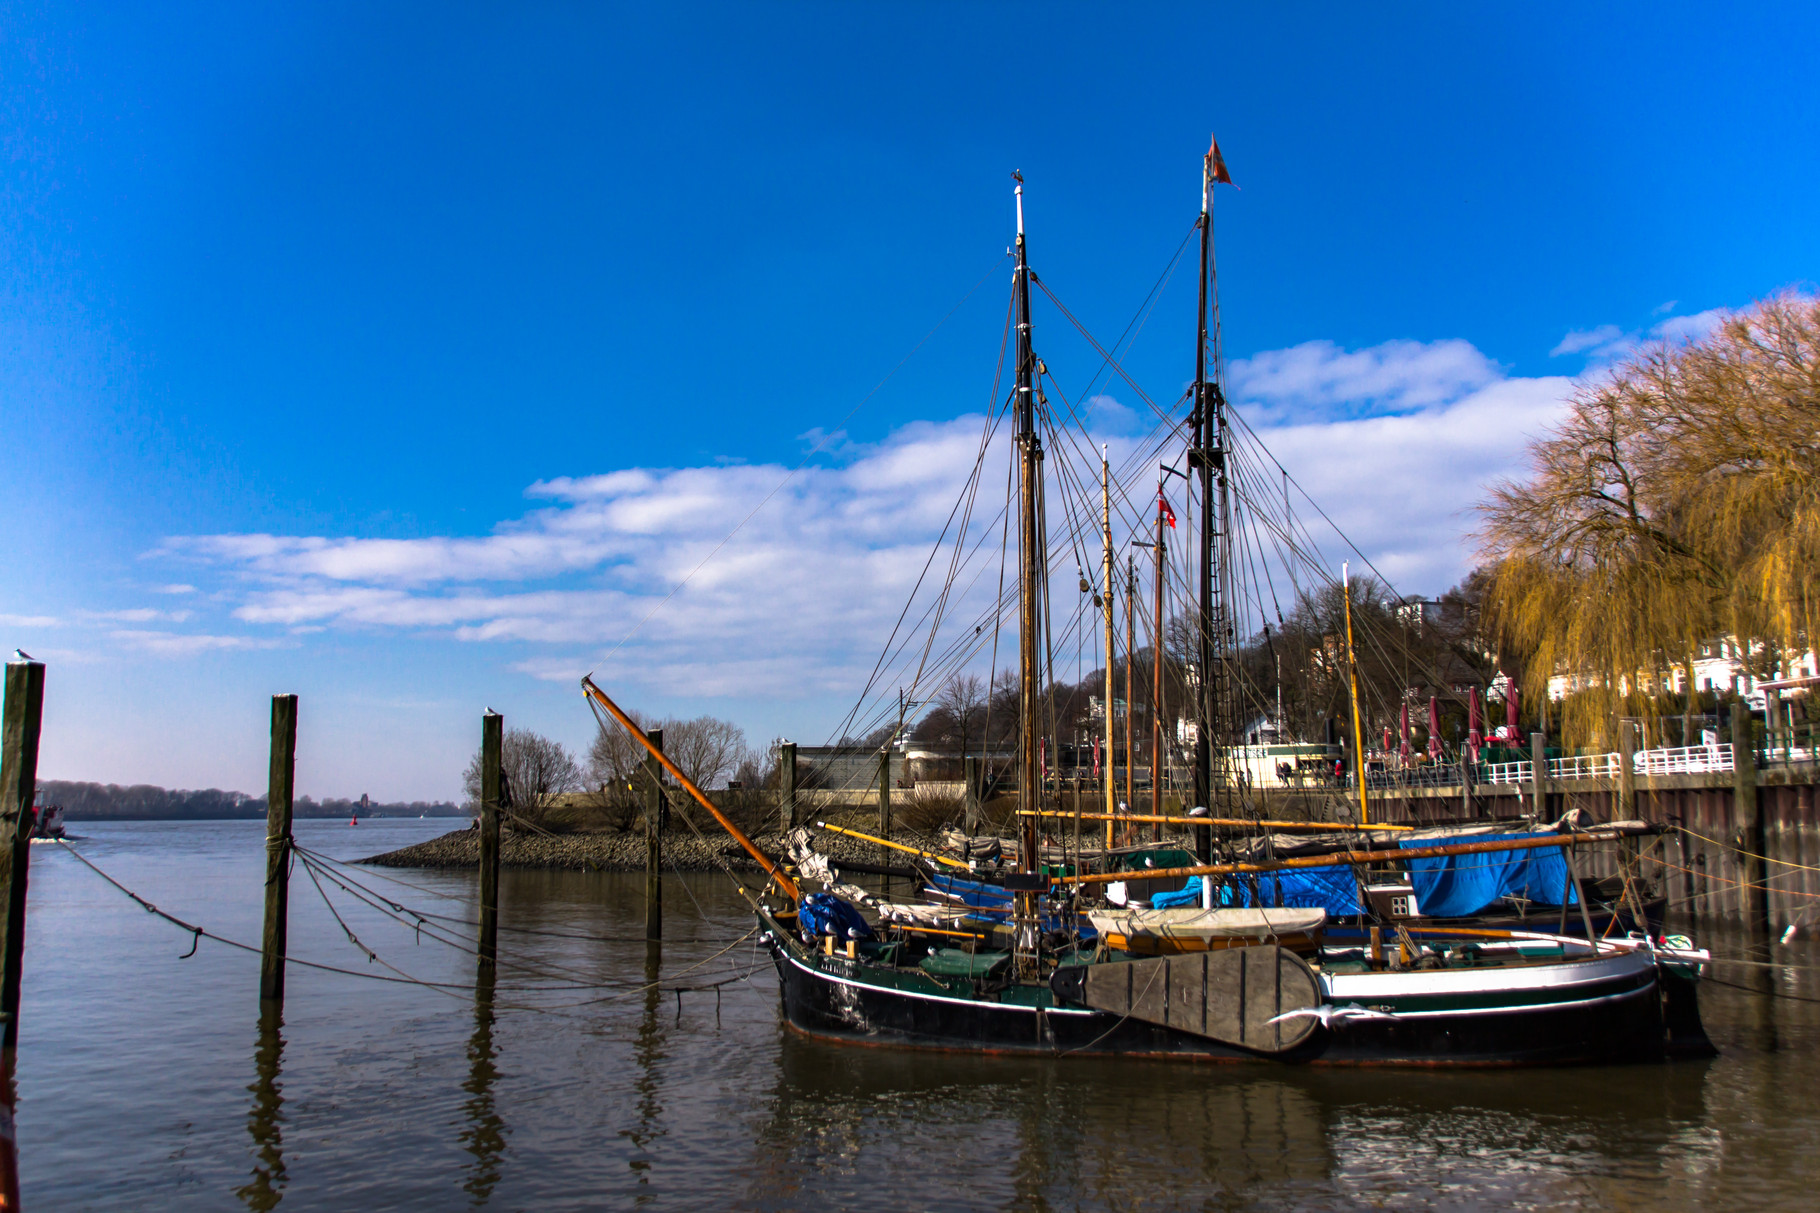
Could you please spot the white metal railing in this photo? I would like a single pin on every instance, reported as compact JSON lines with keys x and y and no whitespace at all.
{"x":1508,"y":772}
{"x":1682,"y":760}
{"x":1685,"y":760}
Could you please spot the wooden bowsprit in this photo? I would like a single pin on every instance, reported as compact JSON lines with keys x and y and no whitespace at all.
{"x":771,"y":867}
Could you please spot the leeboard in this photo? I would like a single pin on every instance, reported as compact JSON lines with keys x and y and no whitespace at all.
{"x":1229,"y":996}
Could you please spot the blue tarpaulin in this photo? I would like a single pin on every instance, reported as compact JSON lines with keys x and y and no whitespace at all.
{"x":1455,"y":886}
{"x":826,"y":914}
{"x":1332,"y":889}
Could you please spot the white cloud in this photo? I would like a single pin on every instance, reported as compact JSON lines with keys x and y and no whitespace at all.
{"x":177,"y":588}
{"x":1581,"y":340}
{"x":1608,"y":343}
{"x":135,"y":615}
{"x":175,"y":644}
{"x":1318,"y":379}
{"x":29,"y":621}
{"x":1397,"y":441}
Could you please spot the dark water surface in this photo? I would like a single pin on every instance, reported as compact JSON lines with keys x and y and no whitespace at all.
{"x":149,"y":1082}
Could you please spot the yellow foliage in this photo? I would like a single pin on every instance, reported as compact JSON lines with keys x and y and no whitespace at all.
{"x":1678,"y":501}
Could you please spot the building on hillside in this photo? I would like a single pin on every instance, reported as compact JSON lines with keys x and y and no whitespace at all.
{"x":1721,"y":665}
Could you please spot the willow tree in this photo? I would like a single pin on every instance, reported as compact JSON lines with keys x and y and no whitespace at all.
{"x":1678,"y":501}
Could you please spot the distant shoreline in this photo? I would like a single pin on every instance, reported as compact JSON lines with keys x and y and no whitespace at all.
{"x":259,"y":816}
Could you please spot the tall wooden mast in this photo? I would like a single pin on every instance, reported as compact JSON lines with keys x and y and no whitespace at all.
{"x":1032,"y":567}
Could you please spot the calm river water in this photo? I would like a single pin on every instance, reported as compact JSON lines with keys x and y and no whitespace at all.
{"x":147,"y":1081}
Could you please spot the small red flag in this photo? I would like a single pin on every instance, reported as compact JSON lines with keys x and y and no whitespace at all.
{"x":1216,"y":165}
{"x":1162,"y":503}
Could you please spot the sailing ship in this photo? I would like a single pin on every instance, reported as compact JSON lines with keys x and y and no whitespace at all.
{"x":1032,"y":959}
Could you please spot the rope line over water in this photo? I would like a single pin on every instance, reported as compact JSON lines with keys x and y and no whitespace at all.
{"x":199,"y":933}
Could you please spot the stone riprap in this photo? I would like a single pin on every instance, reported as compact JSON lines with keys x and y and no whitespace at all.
{"x":624,"y":852}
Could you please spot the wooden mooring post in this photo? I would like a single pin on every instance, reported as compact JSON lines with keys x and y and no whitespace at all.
{"x":492,"y":756}
{"x":970,"y":810}
{"x":788,"y":815}
{"x":24,"y":712}
{"x":1538,"y":775}
{"x":654,"y":839}
{"x":884,"y":807}
{"x":1752,"y":839}
{"x":280,"y":791}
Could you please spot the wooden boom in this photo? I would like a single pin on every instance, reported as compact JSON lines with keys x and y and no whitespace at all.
{"x":896,"y":846}
{"x":1238,"y":822}
{"x":770,"y":865}
{"x":1341,"y":857}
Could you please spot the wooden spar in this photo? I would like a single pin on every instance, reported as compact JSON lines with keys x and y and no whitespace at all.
{"x":1352,"y":681}
{"x":895,"y":846}
{"x":1341,"y":857}
{"x":1238,"y":822}
{"x":770,"y":865}
{"x":1159,"y":767}
{"x":920,"y":930}
{"x":1111,"y":641}
{"x":1130,"y":659}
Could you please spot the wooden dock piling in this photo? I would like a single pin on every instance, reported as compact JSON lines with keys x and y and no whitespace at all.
{"x":492,"y":756}
{"x":970,"y":813}
{"x":789,"y":816}
{"x":884,"y":804}
{"x":1538,"y":775}
{"x":24,"y":713}
{"x":1752,"y":839}
{"x":280,"y":790}
{"x":654,"y":838}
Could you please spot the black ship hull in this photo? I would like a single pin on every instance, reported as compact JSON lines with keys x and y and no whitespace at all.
{"x":1591,"y":1012}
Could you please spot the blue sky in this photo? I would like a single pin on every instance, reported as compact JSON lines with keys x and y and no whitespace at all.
{"x":404,"y":357}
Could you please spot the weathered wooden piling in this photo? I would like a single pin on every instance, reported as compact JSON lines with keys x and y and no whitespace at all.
{"x":1538,"y":774}
{"x":884,"y":803}
{"x":1752,"y":838}
{"x":23,"y":714}
{"x":1627,"y":770}
{"x":654,"y":837}
{"x":970,"y":813}
{"x":492,"y":757}
{"x":280,"y":789}
{"x":788,"y":815}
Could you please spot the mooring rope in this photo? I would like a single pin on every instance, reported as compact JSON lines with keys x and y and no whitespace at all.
{"x":340,"y":866}
{"x":199,"y":933}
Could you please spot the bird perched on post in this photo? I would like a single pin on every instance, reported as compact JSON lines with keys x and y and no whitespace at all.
{"x":22,"y":655}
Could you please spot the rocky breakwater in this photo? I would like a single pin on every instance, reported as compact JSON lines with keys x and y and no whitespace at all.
{"x":625,"y":851}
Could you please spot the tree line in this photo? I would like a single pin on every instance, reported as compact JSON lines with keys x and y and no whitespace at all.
{"x":143,"y":801}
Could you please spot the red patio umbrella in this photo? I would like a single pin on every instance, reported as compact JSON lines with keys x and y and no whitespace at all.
{"x":1434,"y":729}
{"x":1403,"y":753}
{"x":1510,"y":712}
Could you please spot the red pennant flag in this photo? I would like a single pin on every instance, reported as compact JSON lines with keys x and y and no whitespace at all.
{"x":1162,"y":503}
{"x":1216,"y":165}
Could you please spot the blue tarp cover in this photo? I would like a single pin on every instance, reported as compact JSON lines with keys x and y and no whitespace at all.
{"x":1455,"y":886}
{"x":826,"y":914}
{"x":1332,"y":889}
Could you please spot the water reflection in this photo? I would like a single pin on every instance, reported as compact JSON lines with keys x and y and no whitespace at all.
{"x":484,"y":1136}
{"x":1033,"y":1133}
{"x":647,"y":1086}
{"x":265,"y":1123}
